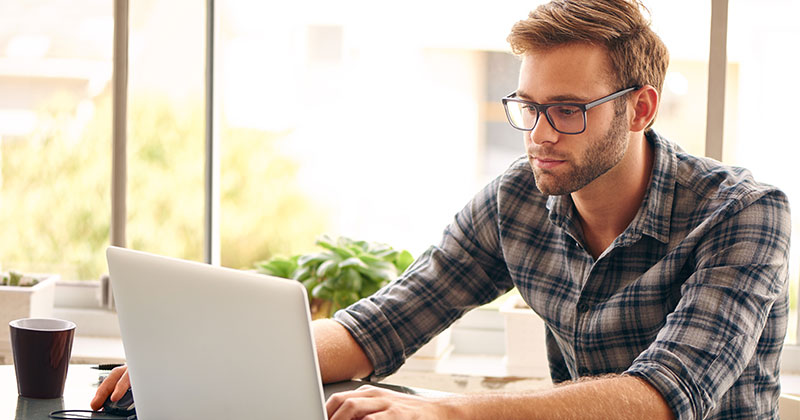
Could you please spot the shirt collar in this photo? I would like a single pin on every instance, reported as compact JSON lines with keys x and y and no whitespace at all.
{"x":653,"y":217}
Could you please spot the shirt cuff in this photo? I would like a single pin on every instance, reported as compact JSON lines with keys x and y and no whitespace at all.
{"x":376,"y":336}
{"x":674,"y":389}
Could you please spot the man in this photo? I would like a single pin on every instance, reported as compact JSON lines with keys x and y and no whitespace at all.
{"x":661,"y":276}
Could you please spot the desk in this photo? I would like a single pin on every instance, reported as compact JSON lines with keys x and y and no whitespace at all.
{"x":82,"y":382}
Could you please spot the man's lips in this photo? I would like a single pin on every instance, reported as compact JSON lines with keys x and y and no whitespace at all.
{"x":545,"y":162}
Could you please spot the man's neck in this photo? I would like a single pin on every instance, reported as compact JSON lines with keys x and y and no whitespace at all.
{"x":609,"y":203}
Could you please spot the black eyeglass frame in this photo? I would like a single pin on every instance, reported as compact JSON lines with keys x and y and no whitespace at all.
{"x":542,"y":108}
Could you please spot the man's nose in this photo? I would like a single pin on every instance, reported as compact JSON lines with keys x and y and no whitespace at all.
{"x":543,"y":132}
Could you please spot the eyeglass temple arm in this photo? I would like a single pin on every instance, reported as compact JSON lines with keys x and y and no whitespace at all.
{"x":511,"y":95}
{"x":611,"y":97}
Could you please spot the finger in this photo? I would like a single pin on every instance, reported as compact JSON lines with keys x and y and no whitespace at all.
{"x":338,"y":398}
{"x":108,"y":385}
{"x":334,"y":401}
{"x":357,"y":408}
{"x":122,"y":387}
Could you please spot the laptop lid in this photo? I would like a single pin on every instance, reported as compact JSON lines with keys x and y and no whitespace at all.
{"x":206,"y":342}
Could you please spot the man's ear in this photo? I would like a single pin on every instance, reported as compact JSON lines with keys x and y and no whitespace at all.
{"x":645,"y":105}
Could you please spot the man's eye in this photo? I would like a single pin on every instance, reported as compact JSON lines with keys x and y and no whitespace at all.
{"x":567,"y":111}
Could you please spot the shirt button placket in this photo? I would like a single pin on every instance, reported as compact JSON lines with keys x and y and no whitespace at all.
{"x":581,"y":309}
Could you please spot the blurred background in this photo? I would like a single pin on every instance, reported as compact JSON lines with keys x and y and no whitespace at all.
{"x":347,"y":118}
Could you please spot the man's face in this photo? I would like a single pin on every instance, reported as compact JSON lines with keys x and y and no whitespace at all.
{"x":565,"y":163}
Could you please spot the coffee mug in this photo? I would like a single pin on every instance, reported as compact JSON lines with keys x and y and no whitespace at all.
{"x":41,"y":349}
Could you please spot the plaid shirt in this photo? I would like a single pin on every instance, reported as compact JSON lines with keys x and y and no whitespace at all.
{"x":692,"y":296}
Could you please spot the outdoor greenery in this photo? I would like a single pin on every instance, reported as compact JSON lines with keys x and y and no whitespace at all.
{"x":342,"y":273}
{"x":55,"y":203}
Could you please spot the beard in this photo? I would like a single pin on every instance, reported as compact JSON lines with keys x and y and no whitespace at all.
{"x":598,"y":158}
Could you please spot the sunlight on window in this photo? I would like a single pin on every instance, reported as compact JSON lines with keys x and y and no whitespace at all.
{"x":54,"y":136}
{"x":761,"y":138}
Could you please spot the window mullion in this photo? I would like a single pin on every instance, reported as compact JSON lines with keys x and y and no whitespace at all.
{"x":211,"y":238}
{"x":119,"y":124}
{"x":717,"y":62}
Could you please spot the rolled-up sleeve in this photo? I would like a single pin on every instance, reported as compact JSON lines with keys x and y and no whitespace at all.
{"x":464,"y":271}
{"x":718,"y":326}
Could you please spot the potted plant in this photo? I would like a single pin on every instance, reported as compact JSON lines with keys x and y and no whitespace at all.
{"x":343,"y":272}
{"x":23,"y":296}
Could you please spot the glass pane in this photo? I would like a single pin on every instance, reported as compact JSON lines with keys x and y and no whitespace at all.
{"x":55,"y":125}
{"x":166,"y":140}
{"x":762,"y":139}
{"x":332,"y":118}
{"x":682,"y":113}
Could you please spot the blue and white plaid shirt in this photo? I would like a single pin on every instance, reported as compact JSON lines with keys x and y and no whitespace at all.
{"x":692,"y":296}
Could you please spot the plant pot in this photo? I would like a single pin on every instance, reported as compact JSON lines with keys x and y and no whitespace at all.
{"x":320,"y":308}
{"x":526,"y":353}
{"x":24,"y":302}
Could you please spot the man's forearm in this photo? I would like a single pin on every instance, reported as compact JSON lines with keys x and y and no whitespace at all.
{"x":621,"y":397}
{"x":340,"y":356}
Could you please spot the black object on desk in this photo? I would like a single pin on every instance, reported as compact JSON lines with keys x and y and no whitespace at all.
{"x":124,"y":408}
{"x":107,"y":366}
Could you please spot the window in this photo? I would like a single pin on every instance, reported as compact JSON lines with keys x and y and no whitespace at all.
{"x":682,"y":113}
{"x":762,"y":137}
{"x":55,"y":118}
{"x":332,"y":119}
{"x":166,"y":123}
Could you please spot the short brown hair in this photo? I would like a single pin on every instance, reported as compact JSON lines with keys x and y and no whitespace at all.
{"x":638,"y":56}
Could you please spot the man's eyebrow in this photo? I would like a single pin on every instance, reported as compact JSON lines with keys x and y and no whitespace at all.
{"x":556,"y":98}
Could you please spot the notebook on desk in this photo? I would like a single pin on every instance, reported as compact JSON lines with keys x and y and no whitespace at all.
{"x":206,"y":342}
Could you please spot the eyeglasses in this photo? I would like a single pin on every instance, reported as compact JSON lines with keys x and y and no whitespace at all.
{"x":566,"y":118}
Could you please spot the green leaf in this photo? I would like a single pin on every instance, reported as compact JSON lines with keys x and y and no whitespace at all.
{"x":369,"y":258}
{"x":340,"y":251}
{"x":302,"y":273}
{"x":310,"y":284}
{"x":329,"y":268}
{"x":352,"y":262}
{"x":14,"y":278}
{"x":314,"y":259}
{"x":335,"y":282}
{"x":370,"y":288}
{"x":403,"y":261}
{"x":387,"y":254}
{"x":350,"y":280}
{"x":379,"y":271}
{"x":355,"y":249}
{"x":278,"y":266}
{"x":344,"y":298}
{"x":322,"y":291}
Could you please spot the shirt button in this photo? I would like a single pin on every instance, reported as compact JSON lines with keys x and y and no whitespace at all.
{"x":583,"y":307}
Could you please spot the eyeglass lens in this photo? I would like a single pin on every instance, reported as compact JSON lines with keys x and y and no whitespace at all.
{"x":564,"y":118}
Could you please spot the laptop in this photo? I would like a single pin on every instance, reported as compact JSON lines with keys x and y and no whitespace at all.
{"x":206,"y":342}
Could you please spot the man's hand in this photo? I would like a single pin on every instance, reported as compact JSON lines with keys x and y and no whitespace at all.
{"x":369,"y":402}
{"x":116,"y":384}
{"x":621,"y":397}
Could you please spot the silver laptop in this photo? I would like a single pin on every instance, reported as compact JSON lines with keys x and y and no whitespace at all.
{"x":205,"y":342}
